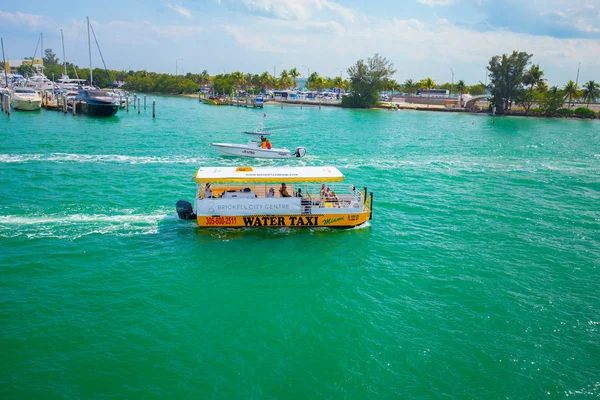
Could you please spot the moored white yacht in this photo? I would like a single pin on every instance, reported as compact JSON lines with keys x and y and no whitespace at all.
{"x":24,"y":98}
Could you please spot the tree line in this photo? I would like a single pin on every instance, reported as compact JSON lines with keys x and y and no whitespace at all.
{"x":512,"y":81}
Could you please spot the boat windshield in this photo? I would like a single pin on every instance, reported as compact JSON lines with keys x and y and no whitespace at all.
{"x":97,"y":93}
{"x":24,"y":90}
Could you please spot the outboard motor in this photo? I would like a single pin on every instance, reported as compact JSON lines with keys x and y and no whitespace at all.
{"x":300,"y":152}
{"x":185,"y":210}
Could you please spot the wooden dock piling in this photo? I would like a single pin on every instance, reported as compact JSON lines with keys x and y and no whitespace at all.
{"x":144,"y":102}
{"x":139,"y":108}
{"x":2,"y":106}
{"x":134,"y":100}
{"x":153,"y":108}
{"x":127,"y":103}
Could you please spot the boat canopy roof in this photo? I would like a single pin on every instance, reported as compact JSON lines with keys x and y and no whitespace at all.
{"x":258,"y":133}
{"x":268,"y":174}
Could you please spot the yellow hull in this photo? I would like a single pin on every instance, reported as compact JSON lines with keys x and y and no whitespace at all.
{"x":214,"y":102}
{"x":293,"y":221}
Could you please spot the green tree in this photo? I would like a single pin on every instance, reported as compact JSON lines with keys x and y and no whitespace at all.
{"x":310,"y":82}
{"x":461,"y":87}
{"x":285,"y":80}
{"x":203,"y":78}
{"x":50,"y":58}
{"x":410,"y":87}
{"x":533,"y":78}
{"x":591,"y":92}
{"x":553,"y":100}
{"x":427,"y":84}
{"x":571,"y":91}
{"x":338,"y":82}
{"x":367,"y":80}
{"x":26,"y":70}
{"x":477,"y":90}
{"x":506,"y":78}
{"x":266,"y":81}
{"x":294,"y":74}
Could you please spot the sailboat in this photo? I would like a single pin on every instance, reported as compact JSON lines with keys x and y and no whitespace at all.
{"x":96,"y":102}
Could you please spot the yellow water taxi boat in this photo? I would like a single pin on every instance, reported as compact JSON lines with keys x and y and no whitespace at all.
{"x":215,"y":101}
{"x":276,"y":197}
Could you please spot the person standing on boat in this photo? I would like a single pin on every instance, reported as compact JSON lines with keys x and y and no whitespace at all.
{"x":271,"y":193}
{"x":263,"y":142}
{"x":268,"y":144}
{"x":283,"y":191}
{"x":208,"y":192}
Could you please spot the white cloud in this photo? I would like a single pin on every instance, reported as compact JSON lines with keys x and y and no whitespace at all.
{"x":180,"y":10}
{"x":415,"y":48}
{"x":19,"y":18}
{"x":301,"y":9}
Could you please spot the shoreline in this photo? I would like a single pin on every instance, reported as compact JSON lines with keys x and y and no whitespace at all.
{"x":412,"y":106}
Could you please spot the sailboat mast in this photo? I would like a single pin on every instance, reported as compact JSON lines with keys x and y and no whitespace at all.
{"x":90,"y":51}
{"x":4,"y":60}
{"x":42,"y":52}
{"x":64,"y":56}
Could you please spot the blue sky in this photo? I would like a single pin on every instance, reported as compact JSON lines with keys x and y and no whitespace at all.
{"x":423,"y":38}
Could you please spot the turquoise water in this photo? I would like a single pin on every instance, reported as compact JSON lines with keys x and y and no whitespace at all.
{"x":476,"y":278}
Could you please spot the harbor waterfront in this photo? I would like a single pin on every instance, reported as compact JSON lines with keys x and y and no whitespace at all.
{"x":476,"y":278}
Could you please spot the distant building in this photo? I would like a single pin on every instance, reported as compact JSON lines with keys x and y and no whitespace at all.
{"x":13,"y":65}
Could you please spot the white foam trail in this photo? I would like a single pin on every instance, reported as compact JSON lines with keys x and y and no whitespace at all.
{"x":99,"y":158}
{"x":77,"y":225}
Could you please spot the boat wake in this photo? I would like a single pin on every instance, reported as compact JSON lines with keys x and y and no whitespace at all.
{"x":99,"y":158}
{"x":75,"y":226}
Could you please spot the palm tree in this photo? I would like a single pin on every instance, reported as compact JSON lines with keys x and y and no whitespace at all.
{"x":534,"y":77}
{"x":461,"y":87}
{"x":591,"y":91}
{"x":410,"y":86}
{"x":310,"y":82}
{"x":204,"y":77}
{"x":427,"y":84}
{"x":338,"y":82}
{"x":294,"y":74}
{"x":571,"y":91}
{"x":320,"y":83}
{"x":266,"y":80}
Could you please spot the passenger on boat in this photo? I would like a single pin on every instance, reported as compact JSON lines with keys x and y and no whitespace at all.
{"x":335,"y":200}
{"x":328,"y":194}
{"x":208,"y":192}
{"x":263,"y":142}
{"x":323,"y":190}
{"x":271,"y":193}
{"x":283,"y":191}
{"x":299,"y":193}
{"x":268,"y":144}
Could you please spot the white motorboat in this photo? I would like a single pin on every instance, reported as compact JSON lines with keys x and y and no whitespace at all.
{"x":254,"y":148}
{"x":24,"y":98}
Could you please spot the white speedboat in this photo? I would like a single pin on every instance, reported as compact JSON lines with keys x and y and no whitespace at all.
{"x":254,"y":148}
{"x":24,"y":98}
